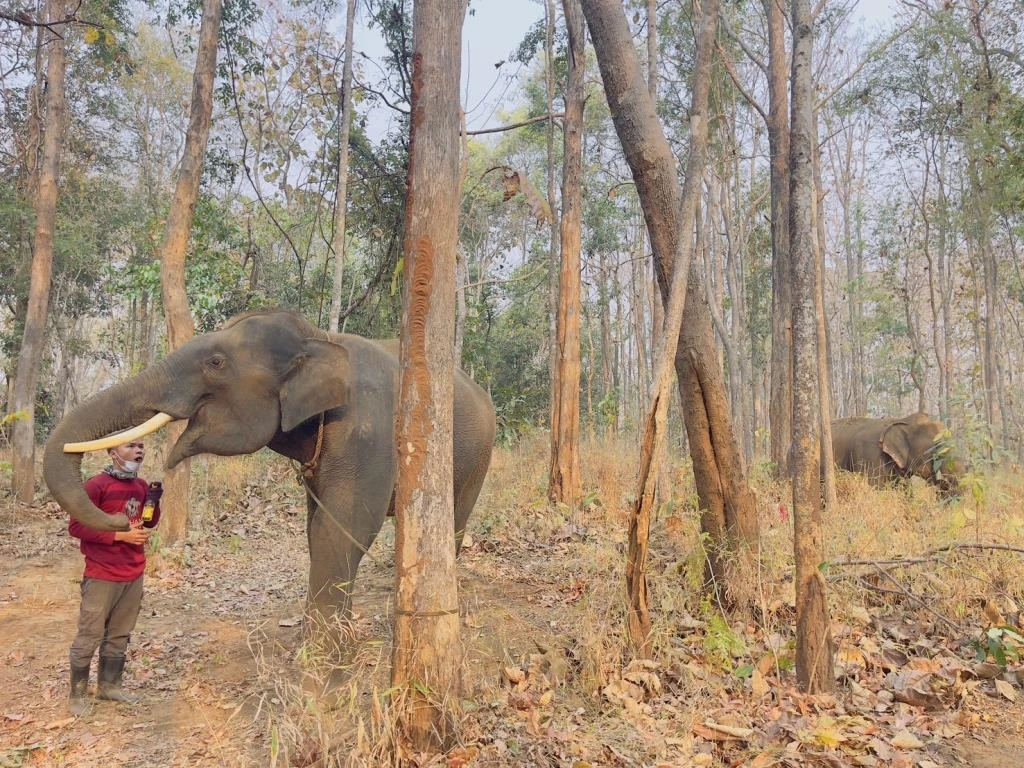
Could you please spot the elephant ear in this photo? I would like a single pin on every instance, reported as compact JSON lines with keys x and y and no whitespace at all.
{"x":896,"y":444}
{"x":317,"y":382}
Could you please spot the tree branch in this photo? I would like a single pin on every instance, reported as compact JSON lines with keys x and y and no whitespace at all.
{"x":530,"y":121}
{"x":25,"y":19}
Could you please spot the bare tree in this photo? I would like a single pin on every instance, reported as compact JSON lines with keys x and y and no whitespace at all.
{"x":341,"y":197}
{"x":180,"y":327}
{"x":427,"y":655}
{"x":813,"y":637}
{"x":564,"y":477}
{"x":27,"y":377}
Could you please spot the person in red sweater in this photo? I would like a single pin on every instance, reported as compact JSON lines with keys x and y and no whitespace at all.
{"x":112,"y":582}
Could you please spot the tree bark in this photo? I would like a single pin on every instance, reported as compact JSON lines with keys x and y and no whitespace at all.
{"x":173,"y":251}
{"x":341,"y":197}
{"x":720,"y":475}
{"x":427,"y":653}
{"x":813,"y":636}
{"x":564,"y":485}
{"x":23,"y":443}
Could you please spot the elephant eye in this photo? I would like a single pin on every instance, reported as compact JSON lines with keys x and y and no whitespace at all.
{"x":217,"y":362}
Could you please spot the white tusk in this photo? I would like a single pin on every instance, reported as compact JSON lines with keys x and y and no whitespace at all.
{"x":120,"y":438}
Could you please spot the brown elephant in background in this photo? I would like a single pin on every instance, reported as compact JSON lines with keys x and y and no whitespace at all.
{"x":272,"y":379}
{"x":891,"y":449}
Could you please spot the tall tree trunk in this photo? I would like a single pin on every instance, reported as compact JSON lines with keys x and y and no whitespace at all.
{"x":722,"y":487}
{"x":780,"y":406}
{"x":180,"y":327}
{"x":341,"y":197}
{"x":813,"y":636}
{"x":23,"y":442}
{"x":427,"y":656}
{"x":564,"y":485}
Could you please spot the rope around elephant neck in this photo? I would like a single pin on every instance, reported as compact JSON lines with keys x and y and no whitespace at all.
{"x":308,"y":469}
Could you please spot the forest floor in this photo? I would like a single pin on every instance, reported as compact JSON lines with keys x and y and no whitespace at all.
{"x":226,"y":680}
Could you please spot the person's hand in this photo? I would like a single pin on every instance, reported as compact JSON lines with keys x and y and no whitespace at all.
{"x":136,"y":535}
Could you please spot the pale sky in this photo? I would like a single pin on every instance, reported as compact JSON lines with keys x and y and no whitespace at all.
{"x":494,"y":29}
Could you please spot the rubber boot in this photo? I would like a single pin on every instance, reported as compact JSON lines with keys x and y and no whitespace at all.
{"x":109,"y":687}
{"x":78,"y":699}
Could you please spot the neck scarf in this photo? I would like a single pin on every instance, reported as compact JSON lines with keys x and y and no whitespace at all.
{"x":120,"y":474}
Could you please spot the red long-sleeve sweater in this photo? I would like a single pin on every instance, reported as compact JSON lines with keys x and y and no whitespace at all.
{"x":106,"y":558}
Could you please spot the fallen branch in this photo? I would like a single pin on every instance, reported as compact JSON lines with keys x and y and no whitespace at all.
{"x":926,"y":557}
{"x":967,"y":545}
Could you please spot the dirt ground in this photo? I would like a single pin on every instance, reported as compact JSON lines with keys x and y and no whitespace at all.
{"x":218,"y":659}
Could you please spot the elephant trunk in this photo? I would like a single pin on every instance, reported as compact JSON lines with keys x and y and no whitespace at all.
{"x":115,"y":409}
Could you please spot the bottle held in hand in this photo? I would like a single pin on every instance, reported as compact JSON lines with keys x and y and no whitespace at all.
{"x":153,"y":494}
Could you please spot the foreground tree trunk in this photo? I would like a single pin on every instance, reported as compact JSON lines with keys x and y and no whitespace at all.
{"x":341,"y":197}
{"x":722,"y":489}
{"x":27,"y":377}
{"x":564,"y":484}
{"x":180,"y":327}
{"x":813,"y":636}
{"x":652,"y":449}
{"x":427,"y":652}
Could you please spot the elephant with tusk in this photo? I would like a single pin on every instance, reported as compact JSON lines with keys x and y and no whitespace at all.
{"x":272,"y":379}
{"x":891,"y":449}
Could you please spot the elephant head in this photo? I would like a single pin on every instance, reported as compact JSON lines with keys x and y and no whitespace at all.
{"x":261,"y":374}
{"x":919,"y":445}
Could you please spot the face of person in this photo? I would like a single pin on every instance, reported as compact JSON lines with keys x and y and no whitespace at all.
{"x":129,"y":456}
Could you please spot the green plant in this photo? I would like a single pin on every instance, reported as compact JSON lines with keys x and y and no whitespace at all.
{"x":1001,"y":644}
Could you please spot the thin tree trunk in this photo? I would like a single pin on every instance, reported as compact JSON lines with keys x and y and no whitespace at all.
{"x":664,"y":485}
{"x":813,"y":636}
{"x":780,"y":405}
{"x":825,"y":414}
{"x":341,"y":197}
{"x":427,"y":652}
{"x":23,"y":443}
{"x":180,"y":327}
{"x":564,"y":485}
{"x":553,"y":269}
{"x":460,"y":303}
{"x":652,"y":449}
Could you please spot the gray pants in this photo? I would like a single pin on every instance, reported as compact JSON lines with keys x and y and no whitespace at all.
{"x":106,"y":620}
